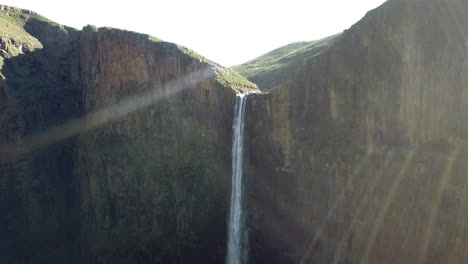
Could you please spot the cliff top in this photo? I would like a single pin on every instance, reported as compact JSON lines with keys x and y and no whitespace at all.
{"x":23,"y":31}
{"x":13,"y":20}
{"x":16,"y":38}
{"x":13,"y":36}
{"x":226,"y":76}
{"x":266,"y":70}
{"x":284,"y":55}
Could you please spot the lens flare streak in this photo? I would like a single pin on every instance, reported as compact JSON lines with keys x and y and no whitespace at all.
{"x":10,"y":152}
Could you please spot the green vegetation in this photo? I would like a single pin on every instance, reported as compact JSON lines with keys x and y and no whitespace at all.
{"x":267,"y":70}
{"x":195,"y":55}
{"x":13,"y":20}
{"x":12,"y":27}
{"x":226,"y":76}
{"x":14,"y":36}
{"x":229,"y":77}
{"x":12,"y":30}
{"x":154,"y":39}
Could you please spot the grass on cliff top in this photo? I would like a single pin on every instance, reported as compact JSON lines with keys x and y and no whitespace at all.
{"x":14,"y":19}
{"x":226,"y":76}
{"x":12,"y":22}
{"x":229,"y":77}
{"x":13,"y":33}
{"x":12,"y":27}
{"x":284,"y":56}
{"x":155,"y":39}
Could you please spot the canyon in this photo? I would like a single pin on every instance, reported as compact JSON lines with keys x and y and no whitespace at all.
{"x":117,"y":147}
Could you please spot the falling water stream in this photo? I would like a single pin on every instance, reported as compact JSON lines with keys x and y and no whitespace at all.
{"x":237,"y":232}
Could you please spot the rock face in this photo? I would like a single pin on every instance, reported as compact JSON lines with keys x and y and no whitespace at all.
{"x":154,"y":186}
{"x":38,"y":89}
{"x":115,"y":146}
{"x":147,"y":179}
{"x":360,"y":154}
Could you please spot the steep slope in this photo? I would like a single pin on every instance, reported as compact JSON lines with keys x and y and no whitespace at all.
{"x":270,"y":70}
{"x":38,"y":89}
{"x":359,"y":155}
{"x":114,"y":147}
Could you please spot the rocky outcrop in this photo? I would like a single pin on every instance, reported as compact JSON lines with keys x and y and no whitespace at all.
{"x":359,"y":155}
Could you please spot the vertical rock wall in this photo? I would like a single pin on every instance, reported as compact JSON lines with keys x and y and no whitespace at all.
{"x":154,"y":184}
{"x":115,"y":147}
{"x":359,"y":156}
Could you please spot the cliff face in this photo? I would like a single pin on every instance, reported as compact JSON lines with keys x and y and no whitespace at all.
{"x":115,"y":146}
{"x":38,"y":89}
{"x":154,"y":186}
{"x":359,"y":155}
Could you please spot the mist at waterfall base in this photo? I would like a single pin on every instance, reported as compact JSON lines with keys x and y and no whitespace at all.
{"x":237,"y":234}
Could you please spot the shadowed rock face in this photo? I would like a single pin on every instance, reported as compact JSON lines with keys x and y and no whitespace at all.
{"x":146,"y":180}
{"x":38,"y":89}
{"x":359,"y":155}
{"x":356,"y":156}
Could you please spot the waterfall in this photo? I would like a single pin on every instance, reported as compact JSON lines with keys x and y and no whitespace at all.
{"x":237,"y":234}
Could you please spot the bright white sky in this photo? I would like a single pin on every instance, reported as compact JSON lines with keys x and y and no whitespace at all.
{"x":228,"y":32}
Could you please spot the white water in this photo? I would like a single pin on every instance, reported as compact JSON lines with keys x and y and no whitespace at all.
{"x":237,"y":234}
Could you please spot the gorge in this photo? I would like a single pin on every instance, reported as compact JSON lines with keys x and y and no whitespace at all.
{"x":118,"y":147}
